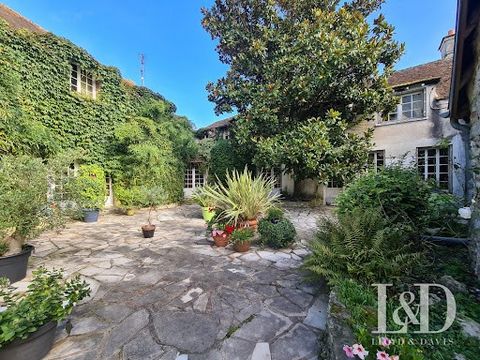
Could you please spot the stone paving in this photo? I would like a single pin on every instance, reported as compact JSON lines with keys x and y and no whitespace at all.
{"x":177,"y":297}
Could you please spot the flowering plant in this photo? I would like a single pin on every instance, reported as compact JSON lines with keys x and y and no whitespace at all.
{"x":222,"y":229}
{"x":359,"y":351}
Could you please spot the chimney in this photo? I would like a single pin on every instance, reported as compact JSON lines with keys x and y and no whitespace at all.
{"x":447,"y":45}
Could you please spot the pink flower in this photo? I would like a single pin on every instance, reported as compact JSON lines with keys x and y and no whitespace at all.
{"x":360,"y":351}
{"x":385,"y":342}
{"x":382,"y":355}
{"x":394,"y":357}
{"x":348,"y":351}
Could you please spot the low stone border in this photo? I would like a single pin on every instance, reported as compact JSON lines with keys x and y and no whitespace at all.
{"x":339,"y":332}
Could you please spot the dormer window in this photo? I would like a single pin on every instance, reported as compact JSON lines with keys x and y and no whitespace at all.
{"x":83,"y":82}
{"x":410,"y":107}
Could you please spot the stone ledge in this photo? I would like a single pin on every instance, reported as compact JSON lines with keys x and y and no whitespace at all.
{"x":339,"y":332}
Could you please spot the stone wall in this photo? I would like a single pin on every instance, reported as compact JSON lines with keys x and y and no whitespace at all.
{"x":474,"y":96}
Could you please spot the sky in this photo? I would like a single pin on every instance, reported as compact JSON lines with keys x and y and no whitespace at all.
{"x":180,"y":56}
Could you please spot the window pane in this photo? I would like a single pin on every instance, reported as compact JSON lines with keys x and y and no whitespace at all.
{"x":418,"y":97}
{"x":406,"y":99}
{"x":417,"y":114}
{"x":432,"y":152}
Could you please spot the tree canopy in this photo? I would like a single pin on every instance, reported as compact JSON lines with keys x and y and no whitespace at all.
{"x":302,"y":74}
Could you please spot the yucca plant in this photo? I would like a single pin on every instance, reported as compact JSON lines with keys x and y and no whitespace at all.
{"x":362,"y":245}
{"x":242,"y":197}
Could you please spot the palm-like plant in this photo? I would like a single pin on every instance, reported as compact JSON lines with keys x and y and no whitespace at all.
{"x":243,"y":197}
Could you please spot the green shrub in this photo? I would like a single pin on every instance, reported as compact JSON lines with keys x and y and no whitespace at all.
{"x":275,"y":213}
{"x":201,"y":197}
{"x":400,"y":192}
{"x":129,"y":198}
{"x":88,"y":189}
{"x":276,"y":233}
{"x":362,"y":245}
{"x":241,"y":235}
{"x":48,"y":298}
{"x":443,"y":215}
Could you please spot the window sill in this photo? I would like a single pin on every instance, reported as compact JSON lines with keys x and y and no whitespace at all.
{"x":395,"y":122}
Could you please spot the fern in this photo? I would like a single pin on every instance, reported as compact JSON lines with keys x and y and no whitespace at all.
{"x":364,"y":246}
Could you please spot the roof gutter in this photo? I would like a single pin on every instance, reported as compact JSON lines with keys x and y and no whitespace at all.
{"x":457,"y":68}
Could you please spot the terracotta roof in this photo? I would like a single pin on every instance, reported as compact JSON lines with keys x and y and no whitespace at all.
{"x":439,"y":71}
{"x":17,"y":21}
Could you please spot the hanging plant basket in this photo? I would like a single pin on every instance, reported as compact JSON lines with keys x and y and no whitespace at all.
{"x":14,"y":267}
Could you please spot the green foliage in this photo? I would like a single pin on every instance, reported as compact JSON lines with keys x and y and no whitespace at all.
{"x":224,"y":158}
{"x":443,"y":215}
{"x":129,"y":198}
{"x":241,"y":235}
{"x":153,"y":196}
{"x":201,"y":196}
{"x":147,"y":157}
{"x":277,"y":234}
{"x":300,"y":73}
{"x":400,"y":192}
{"x":364,"y":246}
{"x":41,"y":115}
{"x":4,"y":247}
{"x":48,"y":298}
{"x":88,"y":188}
{"x":29,"y":203}
{"x":275,"y":213}
{"x":23,"y":195}
{"x":243,"y":196}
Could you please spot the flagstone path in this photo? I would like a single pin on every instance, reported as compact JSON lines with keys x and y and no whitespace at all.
{"x":176,"y":296}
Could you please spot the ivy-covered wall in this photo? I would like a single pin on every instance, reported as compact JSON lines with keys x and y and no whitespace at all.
{"x":42,"y":116}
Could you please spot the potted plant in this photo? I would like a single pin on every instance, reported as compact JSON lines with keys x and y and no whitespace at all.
{"x":221,"y":232}
{"x":28,"y":207}
{"x":88,"y":191}
{"x":243,"y":197}
{"x":127,"y":198}
{"x":241,"y":239}
{"x":206,"y":202}
{"x":29,"y":319}
{"x":153,"y":196}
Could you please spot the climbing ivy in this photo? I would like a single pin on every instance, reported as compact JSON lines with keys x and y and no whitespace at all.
{"x":39,"y":113}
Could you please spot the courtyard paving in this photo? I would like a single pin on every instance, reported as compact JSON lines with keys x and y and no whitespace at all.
{"x":176,"y":296}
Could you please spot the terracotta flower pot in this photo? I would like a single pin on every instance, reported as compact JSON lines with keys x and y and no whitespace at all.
{"x":251,"y":224}
{"x":241,"y":246}
{"x":220,"y":240}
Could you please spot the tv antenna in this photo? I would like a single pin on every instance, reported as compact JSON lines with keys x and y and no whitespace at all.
{"x":142,"y":69}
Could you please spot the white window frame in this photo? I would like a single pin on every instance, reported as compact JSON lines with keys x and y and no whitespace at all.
{"x":424,"y":171}
{"x":193,"y":173}
{"x":373,"y":163}
{"x":400,"y":111}
{"x":81,"y":81}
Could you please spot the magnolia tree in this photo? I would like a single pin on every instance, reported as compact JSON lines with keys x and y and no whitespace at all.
{"x":302,"y":74}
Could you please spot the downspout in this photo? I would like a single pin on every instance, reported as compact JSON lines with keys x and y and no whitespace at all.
{"x":464,"y":130}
